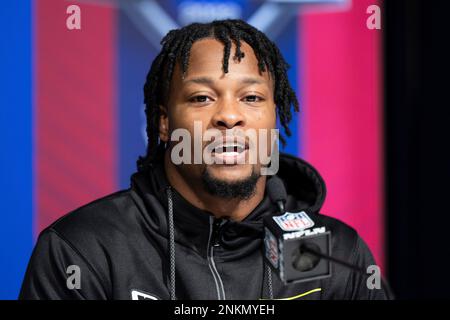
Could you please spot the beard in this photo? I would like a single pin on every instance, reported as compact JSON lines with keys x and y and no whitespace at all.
{"x":241,"y":189}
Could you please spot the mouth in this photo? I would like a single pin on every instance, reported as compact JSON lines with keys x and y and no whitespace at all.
{"x":230,"y":151}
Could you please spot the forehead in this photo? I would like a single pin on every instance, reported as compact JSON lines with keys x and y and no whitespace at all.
{"x":206,"y":59}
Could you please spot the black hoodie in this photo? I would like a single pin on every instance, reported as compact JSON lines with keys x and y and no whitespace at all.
{"x":148,"y":242}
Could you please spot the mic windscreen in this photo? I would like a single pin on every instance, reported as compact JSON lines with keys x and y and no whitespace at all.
{"x":276,"y":190}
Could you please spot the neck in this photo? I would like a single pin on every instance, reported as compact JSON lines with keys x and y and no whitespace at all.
{"x":193,"y":191}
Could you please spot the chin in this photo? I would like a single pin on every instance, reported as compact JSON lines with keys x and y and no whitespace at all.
{"x":230,"y":182}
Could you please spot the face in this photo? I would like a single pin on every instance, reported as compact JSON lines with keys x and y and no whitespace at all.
{"x":239,"y":100}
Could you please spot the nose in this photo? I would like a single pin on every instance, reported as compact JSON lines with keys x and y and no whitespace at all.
{"x":228,"y":115}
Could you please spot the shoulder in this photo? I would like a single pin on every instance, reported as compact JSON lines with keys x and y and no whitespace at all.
{"x":97,"y":215}
{"x":349,"y":247}
{"x":99,"y":224}
{"x":345,"y":240}
{"x":337,"y":227}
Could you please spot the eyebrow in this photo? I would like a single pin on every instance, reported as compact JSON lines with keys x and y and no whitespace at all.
{"x":200,"y":80}
{"x":210,"y":81}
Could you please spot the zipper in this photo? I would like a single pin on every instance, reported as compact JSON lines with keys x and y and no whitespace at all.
{"x":213,"y":241}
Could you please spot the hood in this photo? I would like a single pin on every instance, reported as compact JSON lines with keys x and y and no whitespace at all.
{"x":305,"y":187}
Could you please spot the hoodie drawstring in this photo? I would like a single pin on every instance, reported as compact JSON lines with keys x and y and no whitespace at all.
{"x":269,"y":280}
{"x":171,"y":243}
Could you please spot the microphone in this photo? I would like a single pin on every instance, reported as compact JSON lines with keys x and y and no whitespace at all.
{"x":277,"y":192}
{"x":295,"y":250}
{"x":294,"y":246}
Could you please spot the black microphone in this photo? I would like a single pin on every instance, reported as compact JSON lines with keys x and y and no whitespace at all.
{"x":297,"y":251}
{"x":294,"y":246}
{"x":277,"y":192}
{"x":292,"y":240}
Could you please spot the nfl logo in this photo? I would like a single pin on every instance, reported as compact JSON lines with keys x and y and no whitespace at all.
{"x":294,"y":221}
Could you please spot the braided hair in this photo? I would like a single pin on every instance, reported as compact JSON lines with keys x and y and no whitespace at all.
{"x":176,"y":46}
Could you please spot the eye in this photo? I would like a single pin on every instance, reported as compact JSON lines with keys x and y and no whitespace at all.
{"x":199,"y":99}
{"x":253,"y":98}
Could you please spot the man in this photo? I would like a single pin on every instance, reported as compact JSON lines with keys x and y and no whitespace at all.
{"x":194,"y":230}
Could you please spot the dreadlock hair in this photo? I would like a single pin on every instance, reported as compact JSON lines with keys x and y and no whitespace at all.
{"x":176,"y":46}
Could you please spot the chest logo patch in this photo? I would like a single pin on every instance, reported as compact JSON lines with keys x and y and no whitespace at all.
{"x":140,"y":295}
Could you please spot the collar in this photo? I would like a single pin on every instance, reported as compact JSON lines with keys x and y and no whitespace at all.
{"x":193,"y":226}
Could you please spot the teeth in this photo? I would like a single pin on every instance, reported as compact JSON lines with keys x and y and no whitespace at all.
{"x":231,"y":145}
{"x":229,"y":148}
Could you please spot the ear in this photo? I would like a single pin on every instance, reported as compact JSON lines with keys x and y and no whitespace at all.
{"x":163,"y":124}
